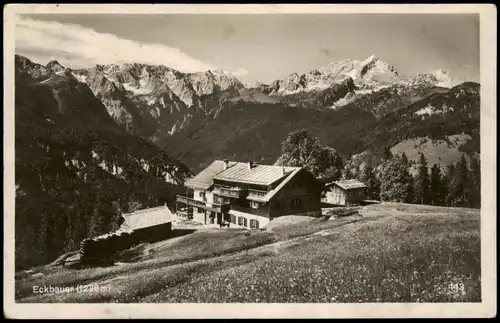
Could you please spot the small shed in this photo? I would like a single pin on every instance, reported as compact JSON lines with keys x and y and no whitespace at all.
{"x":344,"y":192}
{"x":153,"y":224}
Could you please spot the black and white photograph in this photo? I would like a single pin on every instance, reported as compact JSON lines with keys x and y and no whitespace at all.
{"x":325,"y":157}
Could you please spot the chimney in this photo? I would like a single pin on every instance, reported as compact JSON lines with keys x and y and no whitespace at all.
{"x":226,"y":164}
{"x":250,"y":165}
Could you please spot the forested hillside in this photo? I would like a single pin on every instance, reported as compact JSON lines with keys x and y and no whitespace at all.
{"x":76,"y":170}
{"x":254,"y":131}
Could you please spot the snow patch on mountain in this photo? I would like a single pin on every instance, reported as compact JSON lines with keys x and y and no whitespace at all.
{"x":141,"y":90}
{"x":371,"y":73}
{"x":443,"y":79}
{"x":430,"y":110}
{"x":80,"y":78}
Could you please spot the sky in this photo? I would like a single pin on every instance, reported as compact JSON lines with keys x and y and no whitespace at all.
{"x":255,"y":48}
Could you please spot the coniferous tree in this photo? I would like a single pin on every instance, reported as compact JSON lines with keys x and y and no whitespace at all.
{"x":465,"y":182}
{"x":476,"y":183}
{"x":368,"y":177}
{"x":339,"y":166}
{"x":410,"y":191}
{"x":356,"y":171}
{"x":449,"y":184}
{"x":387,"y":154}
{"x":468,"y":183}
{"x":408,"y":178}
{"x":422,"y":182}
{"x":404,"y":160}
{"x":460,"y":185}
{"x":437,"y":189}
{"x":347,"y":173}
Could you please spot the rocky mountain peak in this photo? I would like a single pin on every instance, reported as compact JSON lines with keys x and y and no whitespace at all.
{"x":444,"y":78}
{"x":371,"y":59}
{"x":35,"y":71}
{"x":371,"y":73}
{"x":55,"y":66}
{"x":439,"y":78}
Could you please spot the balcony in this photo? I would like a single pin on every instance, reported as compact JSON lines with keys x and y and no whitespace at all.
{"x":221,"y":208}
{"x":257,"y":193}
{"x":234,"y":192}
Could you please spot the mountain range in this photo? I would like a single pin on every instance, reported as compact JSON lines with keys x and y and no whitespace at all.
{"x":200,"y":116}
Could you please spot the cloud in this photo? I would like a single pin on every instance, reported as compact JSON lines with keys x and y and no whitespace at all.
{"x":240,"y":72}
{"x":78,"y":47}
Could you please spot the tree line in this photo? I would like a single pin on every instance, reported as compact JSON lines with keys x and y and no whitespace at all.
{"x":394,"y":179}
{"x":456,"y":185}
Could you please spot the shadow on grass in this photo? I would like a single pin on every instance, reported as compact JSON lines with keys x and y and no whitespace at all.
{"x":325,"y":205}
{"x":137,"y":252}
{"x":180,"y":232}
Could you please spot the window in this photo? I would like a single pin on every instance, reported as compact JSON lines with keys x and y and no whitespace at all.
{"x":254,"y":205}
{"x":296,"y":202}
{"x":240,"y":220}
{"x":200,"y":210}
{"x":245,"y":222}
{"x":256,"y":193}
{"x":202,"y":194}
{"x":233,"y":219}
{"x":254,"y":224}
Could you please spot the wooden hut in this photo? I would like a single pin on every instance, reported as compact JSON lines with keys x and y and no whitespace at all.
{"x":153,"y":224}
{"x":147,"y":225}
{"x":344,"y":192}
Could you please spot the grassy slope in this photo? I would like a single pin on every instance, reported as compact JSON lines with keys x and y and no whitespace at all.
{"x":435,"y":151}
{"x":394,"y":253}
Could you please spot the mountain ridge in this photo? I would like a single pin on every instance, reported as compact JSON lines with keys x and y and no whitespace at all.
{"x":166,"y":106}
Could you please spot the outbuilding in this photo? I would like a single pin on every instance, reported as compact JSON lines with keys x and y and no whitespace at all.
{"x":344,"y":192}
{"x":153,"y":224}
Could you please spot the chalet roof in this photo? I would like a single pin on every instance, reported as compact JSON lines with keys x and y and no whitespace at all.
{"x":273,"y":192}
{"x":257,"y":174}
{"x":347,"y":184}
{"x":148,"y":217}
{"x":203,"y":179}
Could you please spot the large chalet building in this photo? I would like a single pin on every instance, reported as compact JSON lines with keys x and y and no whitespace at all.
{"x":249,"y":194}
